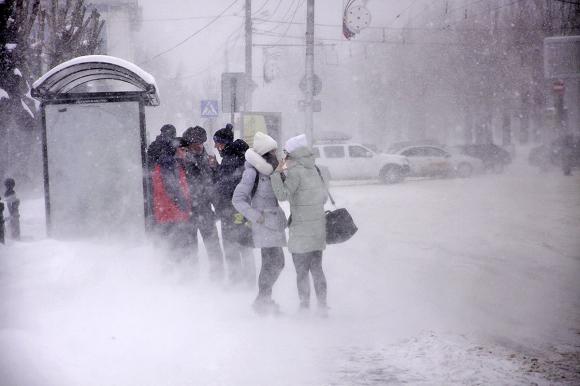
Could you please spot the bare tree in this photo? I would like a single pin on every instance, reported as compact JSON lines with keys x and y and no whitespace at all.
{"x":32,"y":40}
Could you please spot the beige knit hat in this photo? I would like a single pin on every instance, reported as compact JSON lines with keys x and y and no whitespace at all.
{"x":263,"y":143}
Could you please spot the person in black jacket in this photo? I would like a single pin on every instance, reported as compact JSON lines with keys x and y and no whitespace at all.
{"x":240,"y":259}
{"x":199,"y":173}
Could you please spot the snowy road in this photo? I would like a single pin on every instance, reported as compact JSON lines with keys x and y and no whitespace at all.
{"x":473,"y":281}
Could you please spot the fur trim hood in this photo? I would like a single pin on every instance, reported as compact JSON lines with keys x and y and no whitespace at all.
{"x":258,"y":162}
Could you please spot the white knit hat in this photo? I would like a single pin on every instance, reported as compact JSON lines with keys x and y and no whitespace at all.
{"x":296,"y":143}
{"x":263,"y":143}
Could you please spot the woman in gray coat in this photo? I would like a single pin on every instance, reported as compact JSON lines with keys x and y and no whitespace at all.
{"x":297,"y":180}
{"x":267,"y":218}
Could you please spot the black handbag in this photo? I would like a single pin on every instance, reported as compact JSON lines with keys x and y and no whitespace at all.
{"x":340,"y":225}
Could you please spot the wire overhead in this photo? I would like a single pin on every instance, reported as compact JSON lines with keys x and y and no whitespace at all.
{"x":221,"y":14}
{"x":403,"y":11}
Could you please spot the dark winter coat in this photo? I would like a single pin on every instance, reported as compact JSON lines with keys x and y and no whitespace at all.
{"x":200,"y":177}
{"x":228,"y":175}
{"x":162,"y":152}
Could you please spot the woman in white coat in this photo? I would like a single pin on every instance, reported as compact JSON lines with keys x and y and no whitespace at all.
{"x":262,"y":210}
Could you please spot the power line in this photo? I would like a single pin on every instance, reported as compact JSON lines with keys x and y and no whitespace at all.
{"x":569,"y":2}
{"x":434,"y":29}
{"x":421,"y":11}
{"x":298,"y":6}
{"x":464,"y":6}
{"x":213,"y":63}
{"x":403,"y":11}
{"x":494,"y":9}
{"x":187,"y":18}
{"x":261,"y":8}
{"x":196,"y":32}
{"x":273,"y":34}
{"x":303,"y":23}
{"x":287,"y":13}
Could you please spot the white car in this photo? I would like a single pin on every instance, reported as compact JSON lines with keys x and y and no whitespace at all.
{"x":356,"y":161}
{"x":430,"y":161}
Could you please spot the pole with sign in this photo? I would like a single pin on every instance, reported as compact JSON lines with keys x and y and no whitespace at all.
{"x":233,"y":92}
{"x":559,"y":89}
{"x":562,"y":64}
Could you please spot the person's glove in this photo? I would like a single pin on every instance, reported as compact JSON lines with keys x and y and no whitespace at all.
{"x":239,"y":218}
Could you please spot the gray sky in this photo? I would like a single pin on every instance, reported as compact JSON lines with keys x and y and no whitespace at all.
{"x":167,"y":23}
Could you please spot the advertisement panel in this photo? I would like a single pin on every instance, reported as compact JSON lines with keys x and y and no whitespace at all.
{"x":95,"y":169}
{"x":266,"y":122}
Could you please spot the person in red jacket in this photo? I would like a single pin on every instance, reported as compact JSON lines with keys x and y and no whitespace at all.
{"x":171,"y":198}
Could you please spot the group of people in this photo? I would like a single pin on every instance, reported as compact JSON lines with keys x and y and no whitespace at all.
{"x":191,"y":191}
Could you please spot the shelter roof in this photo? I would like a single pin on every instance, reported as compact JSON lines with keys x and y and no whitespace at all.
{"x":110,"y":74}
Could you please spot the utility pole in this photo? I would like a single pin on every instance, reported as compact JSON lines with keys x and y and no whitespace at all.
{"x":249,"y":82}
{"x":309,"y":113}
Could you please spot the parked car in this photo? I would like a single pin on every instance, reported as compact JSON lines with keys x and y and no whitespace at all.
{"x":395,"y":147}
{"x":550,"y":155}
{"x":356,"y":161}
{"x":494,"y":158}
{"x":432,"y":161}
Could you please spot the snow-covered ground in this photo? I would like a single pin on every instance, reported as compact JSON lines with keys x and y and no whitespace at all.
{"x":452,"y":281}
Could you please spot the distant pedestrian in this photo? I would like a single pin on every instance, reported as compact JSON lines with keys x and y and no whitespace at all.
{"x":267,"y":218}
{"x":298,"y":181}
{"x":200,"y":174}
{"x":2,"y":237}
{"x":240,"y":259}
{"x":13,"y":204}
{"x":171,"y":199}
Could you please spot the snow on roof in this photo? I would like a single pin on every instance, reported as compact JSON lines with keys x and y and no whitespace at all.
{"x":148,"y":78}
{"x":4,"y":94}
{"x":67,"y":76}
{"x":26,"y":108}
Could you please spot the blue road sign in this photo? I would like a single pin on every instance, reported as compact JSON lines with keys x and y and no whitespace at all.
{"x":209,"y":108}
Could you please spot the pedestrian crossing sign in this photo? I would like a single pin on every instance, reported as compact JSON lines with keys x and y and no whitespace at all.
{"x":209,"y":108}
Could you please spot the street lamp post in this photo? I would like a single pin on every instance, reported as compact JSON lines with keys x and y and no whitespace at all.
{"x":309,"y":111}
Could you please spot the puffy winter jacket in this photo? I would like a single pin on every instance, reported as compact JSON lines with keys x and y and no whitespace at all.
{"x":171,"y":199}
{"x":307,"y":194}
{"x":270,"y":233}
{"x":228,"y":176}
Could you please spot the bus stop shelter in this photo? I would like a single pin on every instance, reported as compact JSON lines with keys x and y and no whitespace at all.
{"x":94,"y":146}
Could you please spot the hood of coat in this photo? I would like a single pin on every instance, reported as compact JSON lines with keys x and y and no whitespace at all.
{"x":302,"y":156}
{"x":240,"y":146}
{"x":229,"y":150}
{"x":258,"y":162}
{"x":296,"y":143}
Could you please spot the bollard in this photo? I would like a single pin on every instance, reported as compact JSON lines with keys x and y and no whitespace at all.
{"x":1,"y":221}
{"x":13,"y":204}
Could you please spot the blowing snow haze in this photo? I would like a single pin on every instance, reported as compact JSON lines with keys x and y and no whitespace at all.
{"x":449,"y":130}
